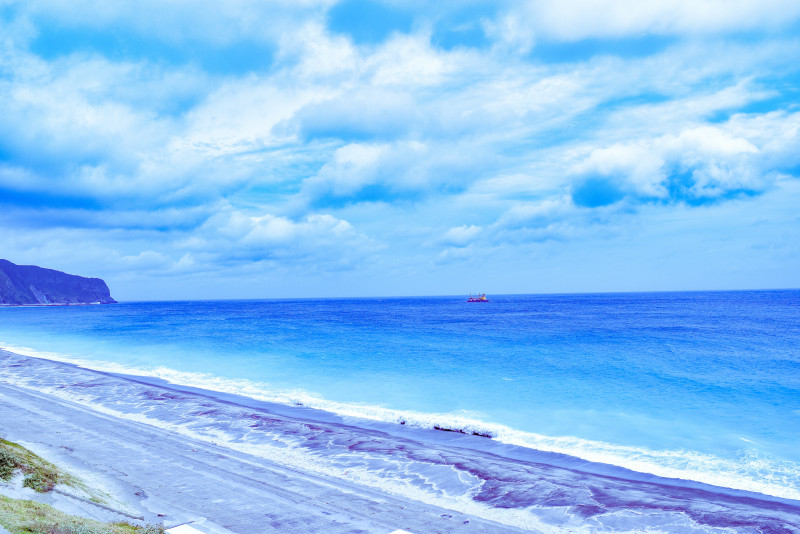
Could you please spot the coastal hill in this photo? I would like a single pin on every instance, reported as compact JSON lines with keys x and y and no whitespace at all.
{"x":29,"y":284}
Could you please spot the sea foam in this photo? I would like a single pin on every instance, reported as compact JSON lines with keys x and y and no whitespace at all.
{"x":751,"y":471}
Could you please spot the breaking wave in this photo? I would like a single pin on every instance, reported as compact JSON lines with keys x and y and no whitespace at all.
{"x":750,"y":471}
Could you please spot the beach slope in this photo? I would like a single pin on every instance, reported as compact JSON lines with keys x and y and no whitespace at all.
{"x":171,"y":455}
{"x":168,"y":477}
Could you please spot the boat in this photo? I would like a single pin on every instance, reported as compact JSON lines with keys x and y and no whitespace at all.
{"x":478,"y":298}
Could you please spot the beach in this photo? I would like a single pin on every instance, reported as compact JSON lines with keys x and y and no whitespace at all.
{"x":370,"y":266}
{"x":168,"y":477}
{"x":172,"y":456}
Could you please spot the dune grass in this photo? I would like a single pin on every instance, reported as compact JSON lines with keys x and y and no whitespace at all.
{"x":40,"y":475}
{"x":29,"y":517}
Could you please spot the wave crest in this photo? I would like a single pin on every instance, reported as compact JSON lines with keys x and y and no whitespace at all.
{"x":750,"y":471}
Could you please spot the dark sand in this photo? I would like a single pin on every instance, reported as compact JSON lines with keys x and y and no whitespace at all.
{"x":161,"y":476}
{"x":224,"y":463}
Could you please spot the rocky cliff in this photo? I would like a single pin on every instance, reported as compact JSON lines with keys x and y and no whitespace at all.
{"x":28,"y":284}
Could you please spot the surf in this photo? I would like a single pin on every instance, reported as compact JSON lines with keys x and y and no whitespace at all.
{"x":750,"y":471}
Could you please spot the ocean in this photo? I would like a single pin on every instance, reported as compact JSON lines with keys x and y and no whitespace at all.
{"x":695,"y":391}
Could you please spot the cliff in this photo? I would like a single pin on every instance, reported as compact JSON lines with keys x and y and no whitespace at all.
{"x":28,"y":284}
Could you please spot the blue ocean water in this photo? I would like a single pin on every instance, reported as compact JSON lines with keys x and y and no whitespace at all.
{"x":700,"y":386}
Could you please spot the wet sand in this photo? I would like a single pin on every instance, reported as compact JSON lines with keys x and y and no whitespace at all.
{"x":221,"y":463}
{"x":162,"y":476}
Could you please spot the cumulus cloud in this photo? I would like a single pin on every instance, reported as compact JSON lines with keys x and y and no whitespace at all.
{"x":698,"y":164}
{"x":460,"y":236}
{"x":329,"y":151}
{"x":315,"y":241}
{"x":372,"y":172}
{"x":70,"y":129}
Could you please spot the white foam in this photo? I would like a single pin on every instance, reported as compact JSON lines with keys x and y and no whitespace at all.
{"x":322,"y":465}
{"x":749,"y":472}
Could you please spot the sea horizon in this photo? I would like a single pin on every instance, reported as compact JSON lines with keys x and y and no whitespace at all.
{"x":501,"y":258}
{"x":443,"y":295}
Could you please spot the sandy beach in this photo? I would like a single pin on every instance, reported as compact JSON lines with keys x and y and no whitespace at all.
{"x":167,"y":455}
{"x":386,"y":267}
{"x":162,"y":476}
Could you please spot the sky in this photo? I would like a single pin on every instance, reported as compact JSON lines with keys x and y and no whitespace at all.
{"x":322,"y":148}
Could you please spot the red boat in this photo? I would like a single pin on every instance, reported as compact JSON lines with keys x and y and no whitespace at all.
{"x":479,"y":298}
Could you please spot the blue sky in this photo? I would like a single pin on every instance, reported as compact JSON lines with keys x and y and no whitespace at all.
{"x":256,"y":149}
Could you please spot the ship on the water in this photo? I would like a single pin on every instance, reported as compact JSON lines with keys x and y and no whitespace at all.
{"x":478,"y":298}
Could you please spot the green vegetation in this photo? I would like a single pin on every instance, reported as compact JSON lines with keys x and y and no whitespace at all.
{"x":40,"y":475}
{"x":29,"y":517}
{"x":8,"y":463}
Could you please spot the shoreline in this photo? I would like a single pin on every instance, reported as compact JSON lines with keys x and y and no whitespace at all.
{"x":169,"y":477}
{"x":686,"y":468}
{"x":487,"y":484}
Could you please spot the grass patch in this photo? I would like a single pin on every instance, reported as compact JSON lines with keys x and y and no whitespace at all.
{"x":8,"y":463}
{"x":40,"y":475}
{"x":30,"y":517}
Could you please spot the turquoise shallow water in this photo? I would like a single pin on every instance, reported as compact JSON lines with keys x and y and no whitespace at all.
{"x":700,"y":386}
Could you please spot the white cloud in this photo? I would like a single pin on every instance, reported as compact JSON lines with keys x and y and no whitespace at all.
{"x":269,"y":231}
{"x":572,"y":20}
{"x":398,"y":167}
{"x":314,"y":241}
{"x":536,"y":221}
{"x":184,"y":265}
{"x":536,"y":211}
{"x":511,"y":32}
{"x":638,"y":164}
{"x":353,"y":167}
{"x":777,"y":134}
{"x":460,"y":236}
{"x":318,"y":55}
{"x":146,"y":260}
{"x":717,"y":162}
{"x":67,"y":118}
{"x":76,"y":129}
{"x":410,"y":61}
{"x":241,"y":116}
{"x":456,"y":254}
{"x":338,"y":147}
